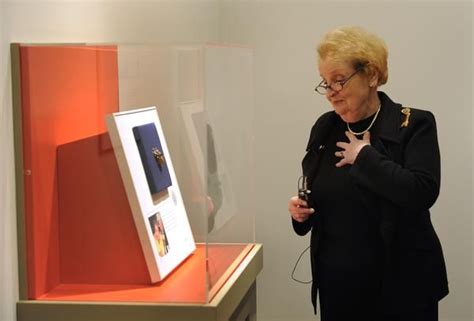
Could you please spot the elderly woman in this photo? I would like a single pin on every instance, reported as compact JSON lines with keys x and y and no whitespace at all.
{"x":373,"y":171}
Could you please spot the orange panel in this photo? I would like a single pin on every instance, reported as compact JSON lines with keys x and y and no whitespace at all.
{"x":97,"y":234}
{"x":66,"y":92}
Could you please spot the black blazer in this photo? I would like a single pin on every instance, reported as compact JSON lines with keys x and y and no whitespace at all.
{"x":401,"y":167}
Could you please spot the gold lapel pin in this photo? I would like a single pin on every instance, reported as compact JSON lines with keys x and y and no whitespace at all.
{"x":159,"y":157}
{"x":407,"y":112}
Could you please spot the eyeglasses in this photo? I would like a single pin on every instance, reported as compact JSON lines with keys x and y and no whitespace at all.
{"x":322,"y":88}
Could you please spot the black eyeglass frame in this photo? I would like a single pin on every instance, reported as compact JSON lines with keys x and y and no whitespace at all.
{"x":323,"y":89}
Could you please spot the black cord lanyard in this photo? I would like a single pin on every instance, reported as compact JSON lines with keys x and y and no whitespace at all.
{"x":296,"y":264}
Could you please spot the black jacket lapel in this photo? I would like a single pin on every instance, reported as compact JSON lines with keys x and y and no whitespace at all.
{"x":316,"y":144}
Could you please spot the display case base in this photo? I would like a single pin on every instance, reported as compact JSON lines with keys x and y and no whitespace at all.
{"x":235,"y":300}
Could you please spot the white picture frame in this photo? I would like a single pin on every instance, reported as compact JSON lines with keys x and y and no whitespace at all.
{"x":168,"y":209}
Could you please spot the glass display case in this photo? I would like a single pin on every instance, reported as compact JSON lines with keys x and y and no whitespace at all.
{"x":80,"y":243}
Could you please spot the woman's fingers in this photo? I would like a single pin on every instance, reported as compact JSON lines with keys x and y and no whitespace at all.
{"x":298,"y":209}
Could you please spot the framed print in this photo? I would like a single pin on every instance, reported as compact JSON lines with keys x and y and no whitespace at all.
{"x":152,"y":189}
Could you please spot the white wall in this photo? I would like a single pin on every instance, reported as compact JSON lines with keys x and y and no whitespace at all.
{"x":430,"y":67}
{"x":472,"y":149}
{"x":130,"y":21}
{"x":78,"y":21}
{"x":8,"y":263}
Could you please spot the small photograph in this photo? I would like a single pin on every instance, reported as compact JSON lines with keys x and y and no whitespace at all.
{"x":159,"y":234}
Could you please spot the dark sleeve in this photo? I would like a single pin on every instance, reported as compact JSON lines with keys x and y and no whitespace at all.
{"x":304,"y":227}
{"x":413,"y":185}
{"x":309,"y":165}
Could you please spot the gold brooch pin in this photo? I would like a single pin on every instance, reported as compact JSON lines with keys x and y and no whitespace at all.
{"x":159,"y":157}
{"x":407,"y":112}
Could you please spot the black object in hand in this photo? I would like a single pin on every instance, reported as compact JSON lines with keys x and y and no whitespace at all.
{"x":303,"y":191}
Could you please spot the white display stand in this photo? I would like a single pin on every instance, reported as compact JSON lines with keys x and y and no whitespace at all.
{"x":168,"y":207}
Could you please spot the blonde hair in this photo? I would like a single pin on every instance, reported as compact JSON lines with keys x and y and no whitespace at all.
{"x":358,"y":47}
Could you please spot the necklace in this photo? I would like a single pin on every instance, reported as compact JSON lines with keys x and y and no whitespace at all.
{"x":368,"y":128}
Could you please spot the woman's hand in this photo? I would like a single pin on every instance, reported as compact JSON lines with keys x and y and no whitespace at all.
{"x":299,"y":209}
{"x":350,"y":150}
